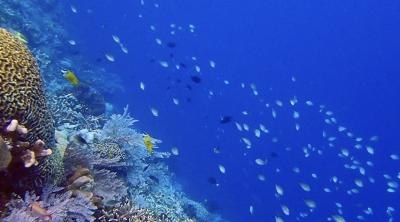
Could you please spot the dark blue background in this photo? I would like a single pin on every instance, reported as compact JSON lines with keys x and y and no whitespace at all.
{"x":344,"y":54}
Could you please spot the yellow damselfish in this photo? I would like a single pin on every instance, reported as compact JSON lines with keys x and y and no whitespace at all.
{"x":71,"y":77}
{"x":19,"y":36}
{"x":148,"y":143}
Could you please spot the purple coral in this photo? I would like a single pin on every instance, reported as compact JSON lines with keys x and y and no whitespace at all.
{"x":53,"y":204}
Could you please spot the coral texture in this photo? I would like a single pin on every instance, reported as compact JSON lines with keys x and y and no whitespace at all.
{"x":110,"y":150}
{"x":126,"y":211}
{"x":118,"y":128}
{"x":53,"y":168}
{"x":53,"y":205}
{"x":21,"y":93}
{"x":109,"y":186}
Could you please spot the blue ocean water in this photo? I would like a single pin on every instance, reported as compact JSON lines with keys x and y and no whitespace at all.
{"x":341,"y":56}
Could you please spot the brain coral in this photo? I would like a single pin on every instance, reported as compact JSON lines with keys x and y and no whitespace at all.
{"x":21,"y":93}
{"x":22,"y":98}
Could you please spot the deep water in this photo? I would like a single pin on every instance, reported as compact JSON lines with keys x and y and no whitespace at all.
{"x":343,"y":54}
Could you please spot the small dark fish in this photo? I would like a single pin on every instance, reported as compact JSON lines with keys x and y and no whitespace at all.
{"x":99,"y":60}
{"x":178,"y":80}
{"x":155,"y":179}
{"x":225,"y":119}
{"x":273,"y":154}
{"x":171,"y":44}
{"x":188,"y":99}
{"x":196,"y":79}
{"x":212,"y":180}
{"x":146,"y":167}
{"x":80,"y":139}
{"x":152,"y":60}
{"x":168,"y":88}
{"x":171,"y":55}
{"x":189,"y":87}
{"x":75,"y":53}
{"x":183,"y":65}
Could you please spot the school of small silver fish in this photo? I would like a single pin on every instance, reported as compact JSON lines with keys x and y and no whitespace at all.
{"x":357,"y":155}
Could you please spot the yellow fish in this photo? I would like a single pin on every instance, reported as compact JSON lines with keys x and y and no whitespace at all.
{"x":21,"y":37}
{"x":71,"y":77}
{"x":148,"y":143}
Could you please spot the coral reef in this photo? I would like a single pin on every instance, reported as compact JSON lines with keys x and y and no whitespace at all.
{"x":118,"y":128}
{"x":68,"y":113}
{"x":53,"y":169}
{"x":126,"y":211}
{"x":19,"y":159}
{"x":110,"y":150}
{"x":93,"y":155}
{"x":22,"y":96}
{"x":92,"y":98}
{"x":53,"y":205}
{"x":5,"y":155}
{"x":108,"y":186}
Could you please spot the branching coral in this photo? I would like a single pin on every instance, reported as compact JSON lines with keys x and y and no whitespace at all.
{"x":54,"y":204}
{"x":23,"y":151}
{"x":109,"y":186}
{"x":118,"y":128}
{"x":68,"y":113}
{"x":127,"y":211}
{"x":55,"y":165}
{"x":79,"y":155}
{"x":17,"y":159}
{"x":109,"y":150}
